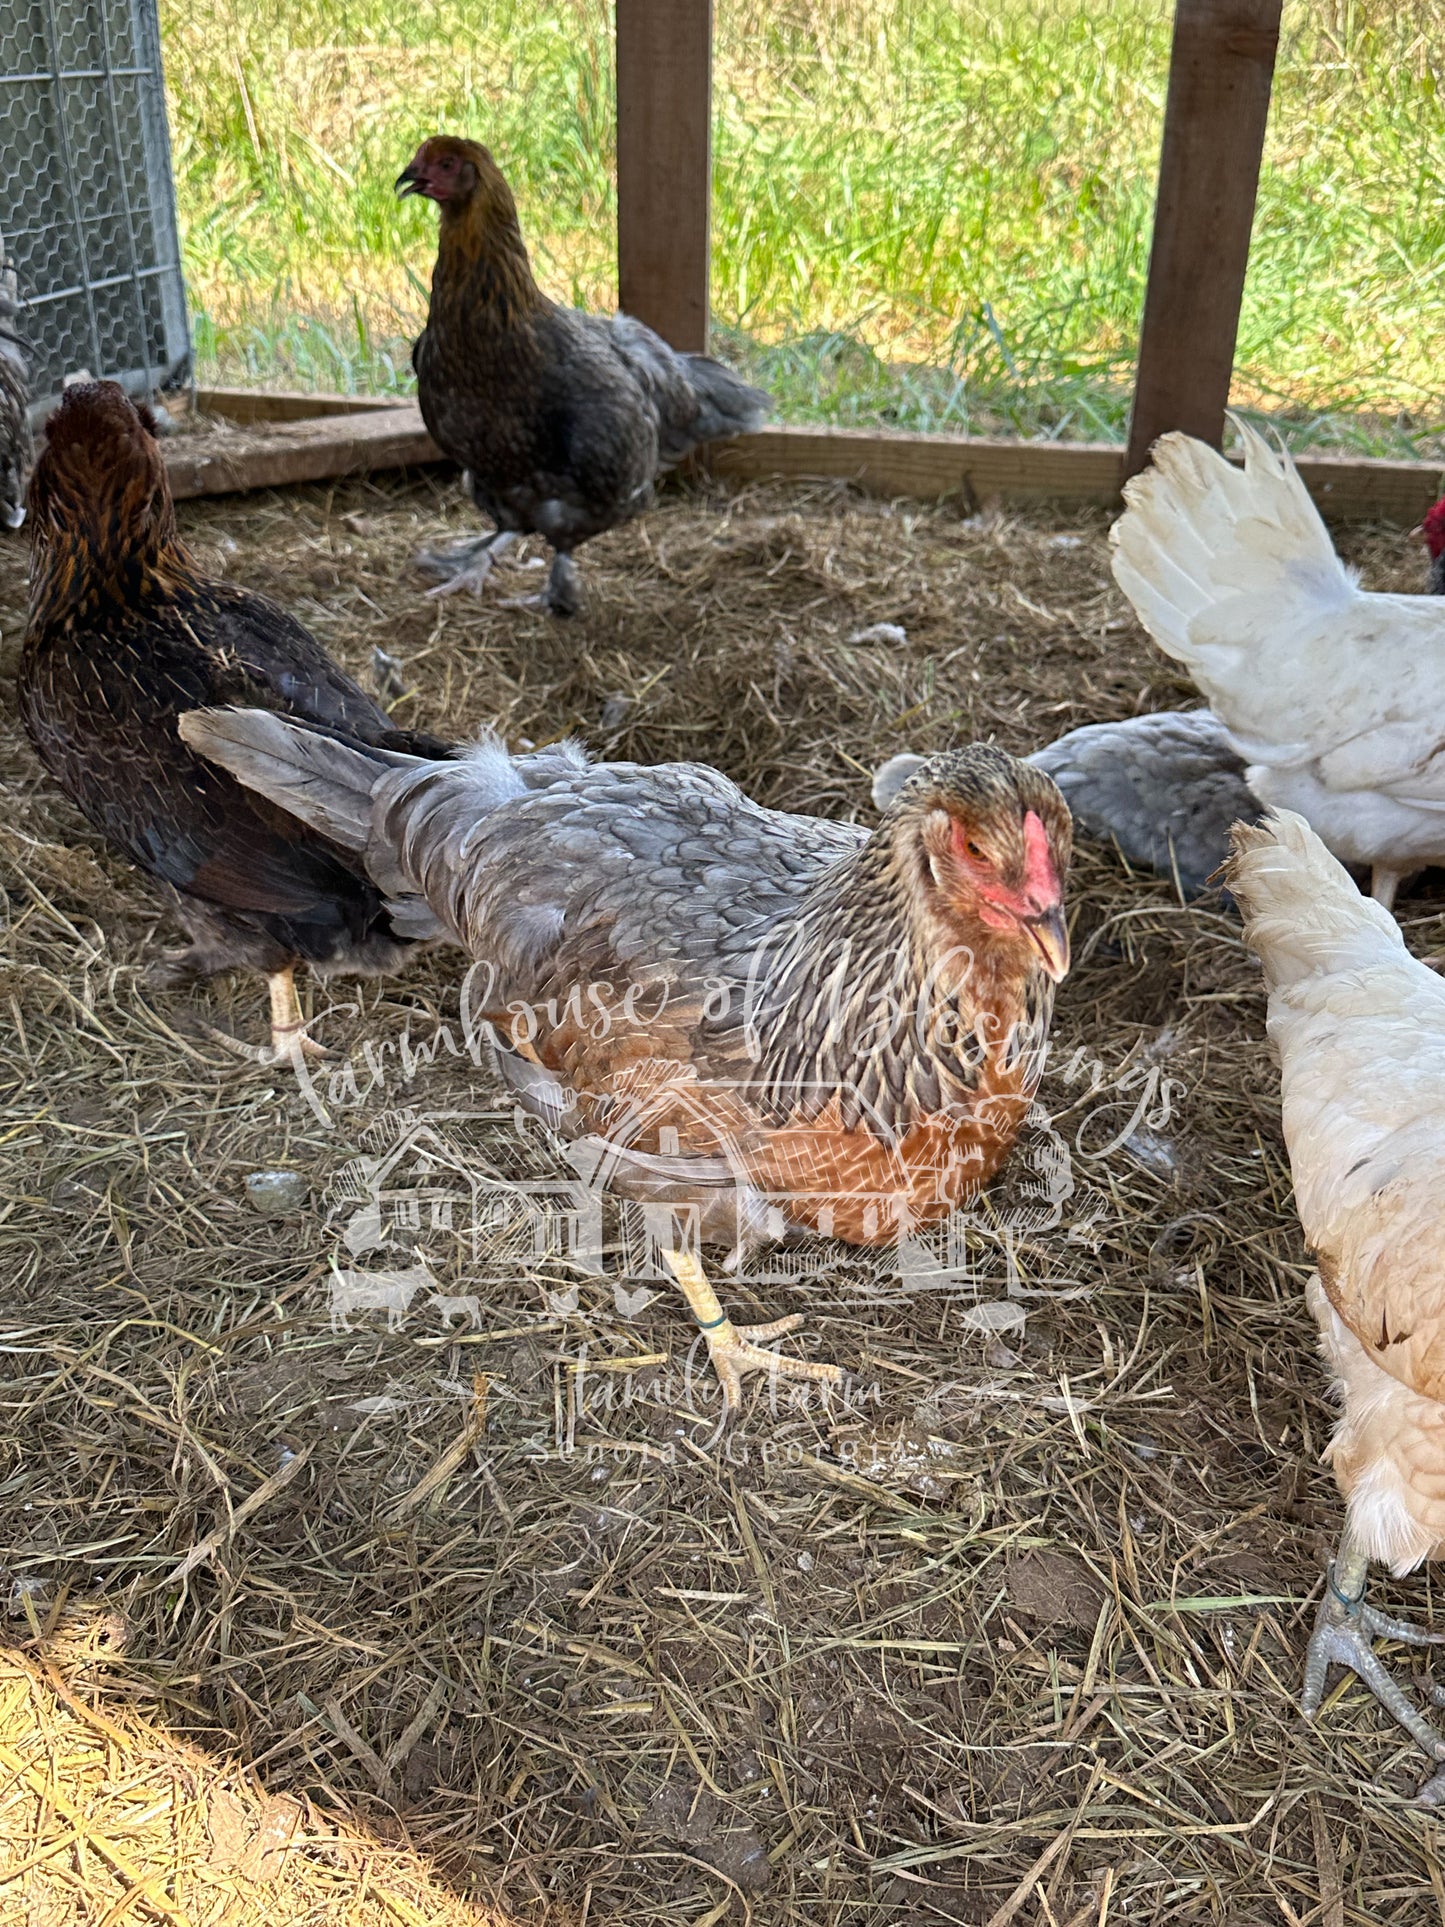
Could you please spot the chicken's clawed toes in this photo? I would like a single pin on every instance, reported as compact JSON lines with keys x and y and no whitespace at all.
{"x":1343,"y":1636}
{"x":284,"y":1048}
{"x":562,"y":595}
{"x":736,"y":1350}
{"x":467,"y":566}
{"x":734,"y":1353}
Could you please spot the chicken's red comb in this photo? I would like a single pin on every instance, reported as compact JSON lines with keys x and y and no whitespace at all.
{"x":1433,"y":529}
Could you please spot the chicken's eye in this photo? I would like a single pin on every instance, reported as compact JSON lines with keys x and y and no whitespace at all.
{"x":975,"y":850}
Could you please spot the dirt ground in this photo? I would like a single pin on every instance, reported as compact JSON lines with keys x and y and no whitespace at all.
{"x":1010,"y":1631}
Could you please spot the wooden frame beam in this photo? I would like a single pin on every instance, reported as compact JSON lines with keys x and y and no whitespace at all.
{"x":973,"y":471}
{"x":1220,"y":75}
{"x":296,"y":442}
{"x":664,"y":166}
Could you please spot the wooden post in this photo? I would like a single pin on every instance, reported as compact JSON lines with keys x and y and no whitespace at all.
{"x":1214,"y":120}
{"x":664,"y":165}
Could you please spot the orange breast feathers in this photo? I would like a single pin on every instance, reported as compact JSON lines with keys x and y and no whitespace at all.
{"x":639,"y":1087}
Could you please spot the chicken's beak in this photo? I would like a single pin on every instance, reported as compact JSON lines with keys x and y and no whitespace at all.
{"x":1049,"y":934}
{"x":410,"y":181}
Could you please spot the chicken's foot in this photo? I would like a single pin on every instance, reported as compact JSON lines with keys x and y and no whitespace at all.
{"x":561,"y":597}
{"x":288,"y":1027}
{"x":736,"y":1349}
{"x":1343,"y":1633}
{"x":468,"y":565}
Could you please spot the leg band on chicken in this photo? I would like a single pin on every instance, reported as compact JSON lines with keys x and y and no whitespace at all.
{"x":468,"y":565}
{"x":288,"y":1027}
{"x":1343,"y":1633}
{"x":736,"y":1349}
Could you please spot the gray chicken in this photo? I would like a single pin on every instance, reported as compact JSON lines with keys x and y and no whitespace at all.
{"x":750,"y":1021}
{"x":17,"y":450}
{"x":562,"y":421}
{"x":1165,"y":788}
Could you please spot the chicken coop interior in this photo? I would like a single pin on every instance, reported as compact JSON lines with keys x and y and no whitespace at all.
{"x":375,"y":1542}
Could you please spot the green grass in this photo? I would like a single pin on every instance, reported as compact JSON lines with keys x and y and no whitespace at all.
{"x":928,"y":212}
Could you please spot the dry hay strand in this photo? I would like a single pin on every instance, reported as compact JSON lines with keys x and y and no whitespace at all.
{"x":1009,"y":1632}
{"x":104,"y":1816}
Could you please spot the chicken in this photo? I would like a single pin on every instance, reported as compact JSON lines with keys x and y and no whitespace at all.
{"x":16,"y":448}
{"x":125,"y":634}
{"x":1432,"y":533}
{"x":741,"y":1014}
{"x":562,"y":420}
{"x":1165,"y":788}
{"x":1359,"y":1029}
{"x":1331,"y":695}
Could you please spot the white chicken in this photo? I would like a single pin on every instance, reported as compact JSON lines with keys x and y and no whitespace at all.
{"x":1359,"y":1029}
{"x":1333,"y":696}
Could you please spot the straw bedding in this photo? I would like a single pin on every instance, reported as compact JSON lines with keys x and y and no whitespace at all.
{"x":475,"y":1597}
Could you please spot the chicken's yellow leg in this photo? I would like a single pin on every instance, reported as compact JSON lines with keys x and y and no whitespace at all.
{"x":735,"y":1349}
{"x":288,"y":1026}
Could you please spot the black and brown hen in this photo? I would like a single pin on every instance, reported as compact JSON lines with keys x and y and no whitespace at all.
{"x":125,"y":635}
{"x":562,"y":420}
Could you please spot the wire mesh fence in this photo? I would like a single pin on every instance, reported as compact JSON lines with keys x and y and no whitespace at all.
{"x":89,"y":217}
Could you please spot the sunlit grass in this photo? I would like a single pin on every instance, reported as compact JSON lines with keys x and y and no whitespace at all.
{"x":929,"y":212}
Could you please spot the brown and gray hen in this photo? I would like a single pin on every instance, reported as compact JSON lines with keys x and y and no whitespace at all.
{"x":562,"y":420}
{"x":761,"y":1021}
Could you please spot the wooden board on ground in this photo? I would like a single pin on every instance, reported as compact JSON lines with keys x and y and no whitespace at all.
{"x":313,"y":450}
{"x":935,"y":466}
{"x":284,"y":404}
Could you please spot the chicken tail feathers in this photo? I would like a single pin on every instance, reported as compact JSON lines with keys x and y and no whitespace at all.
{"x":323,"y":780}
{"x":406,"y":817}
{"x":1199,"y":535}
{"x":694,"y":398}
{"x":1303,"y":914}
{"x":726,"y":404}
